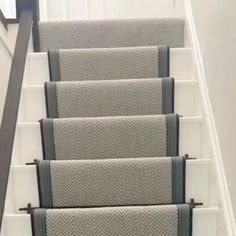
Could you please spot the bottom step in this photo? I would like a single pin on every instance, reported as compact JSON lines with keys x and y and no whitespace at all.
{"x":106,"y":221}
{"x":204,"y":223}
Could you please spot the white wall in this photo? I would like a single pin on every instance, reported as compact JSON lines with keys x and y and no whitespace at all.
{"x":8,"y":8}
{"x":100,"y":9}
{"x":7,"y":45}
{"x":215,"y":21}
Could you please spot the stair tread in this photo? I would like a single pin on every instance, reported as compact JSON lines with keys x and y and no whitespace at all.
{"x":190,"y":162}
{"x":196,"y":211}
{"x":180,"y":82}
{"x":35,"y":55}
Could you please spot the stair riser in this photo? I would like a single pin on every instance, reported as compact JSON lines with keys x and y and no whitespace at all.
{"x":111,"y":9}
{"x":28,"y":145}
{"x":187,"y":101}
{"x":24,"y":184}
{"x":204,"y":223}
{"x":37,"y":71}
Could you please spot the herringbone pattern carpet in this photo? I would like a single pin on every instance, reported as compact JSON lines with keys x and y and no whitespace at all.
{"x":111,"y":141}
{"x":100,"y":138}
{"x":111,"y":33}
{"x":111,"y":182}
{"x":110,"y":98}
{"x":111,"y":137}
{"x":152,"y":221}
{"x":109,"y":64}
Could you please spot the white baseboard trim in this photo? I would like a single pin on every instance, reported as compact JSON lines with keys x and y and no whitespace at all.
{"x":214,"y":140}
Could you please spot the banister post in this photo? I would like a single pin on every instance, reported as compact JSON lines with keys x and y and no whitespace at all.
{"x":30,"y":5}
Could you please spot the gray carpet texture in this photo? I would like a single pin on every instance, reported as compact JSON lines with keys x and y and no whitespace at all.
{"x":168,"y":220}
{"x":111,"y":164}
{"x":111,"y":33}
{"x":110,"y":137}
{"x":110,"y":98}
{"x":109,"y":63}
{"x":114,"y":182}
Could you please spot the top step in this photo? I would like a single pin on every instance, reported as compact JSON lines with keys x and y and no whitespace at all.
{"x":111,"y":33}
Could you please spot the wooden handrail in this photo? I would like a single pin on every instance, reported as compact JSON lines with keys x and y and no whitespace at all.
{"x":10,"y":113}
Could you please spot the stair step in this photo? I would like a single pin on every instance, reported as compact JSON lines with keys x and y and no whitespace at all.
{"x":186,"y":102}
{"x":193,"y":140}
{"x":24,"y":184}
{"x":204,"y":223}
{"x":109,"y":63}
{"x":107,"y":221}
{"x":131,"y":97}
{"x":37,"y":69}
{"x":110,"y":137}
{"x":112,"y":33}
{"x":117,"y":182}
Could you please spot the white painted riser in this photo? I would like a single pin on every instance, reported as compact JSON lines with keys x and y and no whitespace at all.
{"x":187,"y":101}
{"x":108,"y":9}
{"x":28,"y":145}
{"x":37,"y":71}
{"x":24,"y":187}
{"x":204,"y":223}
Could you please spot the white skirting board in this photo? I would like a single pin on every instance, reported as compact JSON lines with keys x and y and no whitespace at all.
{"x":226,"y":226}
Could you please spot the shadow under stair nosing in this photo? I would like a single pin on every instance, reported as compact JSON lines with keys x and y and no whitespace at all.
{"x":109,"y":98}
{"x":109,"y":63}
{"x":110,"y":137}
{"x":116,"y":182}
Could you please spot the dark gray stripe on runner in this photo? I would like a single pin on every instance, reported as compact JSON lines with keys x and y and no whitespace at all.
{"x":48,"y":139}
{"x":184,"y":220}
{"x":168,"y":85}
{"x":178,"y":181}
{"x":39,"y":222}
{"x":172,"y":122}
{"x":51,"y":99}
{"x":164,"y":61}
{"x":54,"y":65}
{"x":45,"y":184}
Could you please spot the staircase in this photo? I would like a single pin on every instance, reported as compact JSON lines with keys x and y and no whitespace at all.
{"x":111,"y":138}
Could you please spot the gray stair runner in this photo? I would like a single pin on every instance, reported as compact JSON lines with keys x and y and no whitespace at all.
{"x":115,"y":182}
{"x":110,"y":98}
{"x":109,"y":63}
{"x":110,"y":137}
{"x":111,"y":33}
{"x":172,"y":220}
{"x":110,"y":146}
